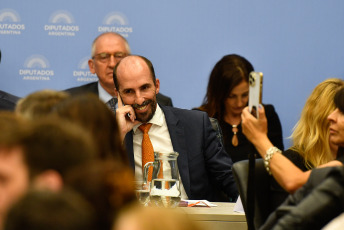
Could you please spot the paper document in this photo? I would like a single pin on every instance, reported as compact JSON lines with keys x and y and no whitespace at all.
{"x":238,"y":206}
{"x":198,"y":203}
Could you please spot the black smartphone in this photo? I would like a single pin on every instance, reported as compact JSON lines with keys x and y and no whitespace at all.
{"x":255,"y":92}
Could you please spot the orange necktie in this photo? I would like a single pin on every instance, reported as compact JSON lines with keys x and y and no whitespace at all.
{"x":147,"y":148}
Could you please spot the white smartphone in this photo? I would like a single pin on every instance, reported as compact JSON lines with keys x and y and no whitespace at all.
{"x":255,"y":92}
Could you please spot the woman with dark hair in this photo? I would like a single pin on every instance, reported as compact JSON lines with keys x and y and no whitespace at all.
{"x":227,"y":95}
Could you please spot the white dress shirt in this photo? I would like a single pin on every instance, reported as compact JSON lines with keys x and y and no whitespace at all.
{"x":161,"y":141}
{"x":103,"y":94}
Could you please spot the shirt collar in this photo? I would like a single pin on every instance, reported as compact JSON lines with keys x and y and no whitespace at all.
{"x":103,"y":95}
{"x":157,"y":119}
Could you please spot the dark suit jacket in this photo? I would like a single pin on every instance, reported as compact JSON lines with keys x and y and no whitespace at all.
{"x":203,"y":164}
{"x":93,"y":88}
{"x":7,"y":101}
{"x":312,"y":206}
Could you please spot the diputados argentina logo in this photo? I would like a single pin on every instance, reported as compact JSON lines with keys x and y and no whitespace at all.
{"x":116,"y":22}
{"x":61,"y":24}
{"x":10,"y":22}
{"x":36,"y":67}
{"x":83,"y":74}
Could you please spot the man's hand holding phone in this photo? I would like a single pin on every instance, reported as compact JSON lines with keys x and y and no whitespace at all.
{"x":126,"y":117}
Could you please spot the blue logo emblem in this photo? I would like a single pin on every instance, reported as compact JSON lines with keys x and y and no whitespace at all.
{"x":61,"y":17}
{"x":83,"y":73}
{"x":9,"y":22}
{"x":36,"y":68}
{"x":116,"y":22}
{"x":62,"y":24}
{"x":36,"y":61}
{"x":9,"y":15}
{"x":115,"y":18}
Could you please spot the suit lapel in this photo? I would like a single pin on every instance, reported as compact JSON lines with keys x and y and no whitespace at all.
{"x":94,"y":87}
{"x":130,"y":149}
{"x":178,"y":139}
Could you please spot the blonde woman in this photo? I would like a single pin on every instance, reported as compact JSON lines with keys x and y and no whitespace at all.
{"x":311,"y":145}
{"x":321,"y":197}
{"x":311,"y":133}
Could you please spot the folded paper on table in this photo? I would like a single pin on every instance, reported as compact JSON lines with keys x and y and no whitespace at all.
{"x":196,"y":203}
{"x":238,"y":206}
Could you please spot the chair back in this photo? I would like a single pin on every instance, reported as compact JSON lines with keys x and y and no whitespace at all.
{"x":261,"y":187}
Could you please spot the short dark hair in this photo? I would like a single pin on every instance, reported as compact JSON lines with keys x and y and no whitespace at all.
{"x":339,"y":99}
{"x":55,"y":144}
{"x":13,"y":129}
{"x":107,"y":185}
{"x":146,"y":60}
{"x":41,"y":210}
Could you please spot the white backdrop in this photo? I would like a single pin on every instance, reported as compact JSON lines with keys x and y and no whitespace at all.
{"x":296,"y":44}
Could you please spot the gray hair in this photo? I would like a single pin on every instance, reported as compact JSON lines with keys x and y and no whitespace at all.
{"x":93,"y":49}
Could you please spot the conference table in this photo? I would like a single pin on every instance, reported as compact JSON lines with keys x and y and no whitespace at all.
{"x":217,"y":218}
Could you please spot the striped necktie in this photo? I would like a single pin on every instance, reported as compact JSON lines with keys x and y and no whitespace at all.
{"x":112,"y":104}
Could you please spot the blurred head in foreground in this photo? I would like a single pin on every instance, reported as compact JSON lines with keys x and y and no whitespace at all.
{"x":150,"y":218}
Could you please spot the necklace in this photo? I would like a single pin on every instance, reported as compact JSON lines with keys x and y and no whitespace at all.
{"x":235,"y":141}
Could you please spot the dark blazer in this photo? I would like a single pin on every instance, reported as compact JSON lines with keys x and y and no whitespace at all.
{"x":203,"y":164}
{"x":7,"y":101}
{"x":93,"y":88}
{"x":312,"y":206}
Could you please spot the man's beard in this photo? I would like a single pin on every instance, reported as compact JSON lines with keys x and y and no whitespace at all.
{"x":147,"y":116}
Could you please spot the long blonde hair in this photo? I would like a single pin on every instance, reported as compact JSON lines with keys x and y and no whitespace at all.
{"x":311,"y":134}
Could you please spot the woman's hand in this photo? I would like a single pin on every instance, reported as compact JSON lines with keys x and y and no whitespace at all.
{"x":254,"y":129}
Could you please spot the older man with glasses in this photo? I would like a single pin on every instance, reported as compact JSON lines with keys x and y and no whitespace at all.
{"x":107,"y":50}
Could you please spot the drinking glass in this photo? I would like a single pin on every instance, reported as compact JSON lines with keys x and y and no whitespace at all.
{"x":165,"y":193}
{"x":142,"y":191}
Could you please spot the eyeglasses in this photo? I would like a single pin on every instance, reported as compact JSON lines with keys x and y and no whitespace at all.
{"x":105,"y":57}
